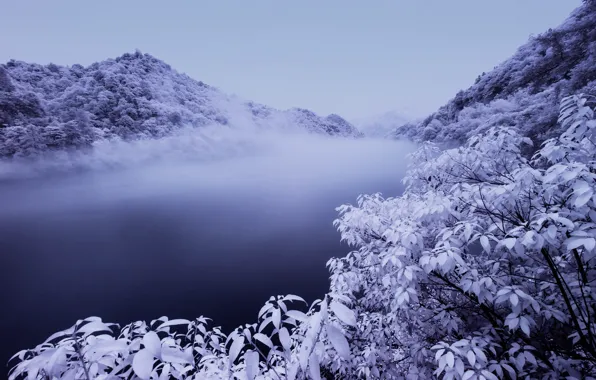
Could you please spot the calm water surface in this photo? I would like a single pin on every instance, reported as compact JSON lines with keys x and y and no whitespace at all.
{"x":182,"y":241}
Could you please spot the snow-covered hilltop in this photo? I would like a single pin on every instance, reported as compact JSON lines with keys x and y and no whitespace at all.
{"x":130,"y":97}
{"x":381,"y":126}
{"x":523,"y":90}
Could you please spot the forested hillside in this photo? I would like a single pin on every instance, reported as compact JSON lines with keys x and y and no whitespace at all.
{"x":524,"y":90}
{"x":133,"y":96}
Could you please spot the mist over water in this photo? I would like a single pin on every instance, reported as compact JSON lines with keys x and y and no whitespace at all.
{"x":171,"y":232}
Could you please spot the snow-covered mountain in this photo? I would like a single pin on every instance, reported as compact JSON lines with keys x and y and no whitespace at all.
{"x":523,"y":91}
{"x":130,"y":97}
{"x":381,"y":126}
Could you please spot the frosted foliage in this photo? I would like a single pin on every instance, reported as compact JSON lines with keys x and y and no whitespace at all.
{"x":135,"y":96}
{"x":482,"y":269}
{"x":285,"y":343}
{"x":522,"y":92}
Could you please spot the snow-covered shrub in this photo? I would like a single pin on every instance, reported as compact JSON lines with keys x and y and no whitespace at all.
{"x":485,"y":267}
{"x":285,"y":343}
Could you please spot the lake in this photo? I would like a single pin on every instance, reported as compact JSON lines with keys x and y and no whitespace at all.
{"x":181,"y":239}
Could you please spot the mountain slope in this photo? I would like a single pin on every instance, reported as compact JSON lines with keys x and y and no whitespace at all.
{"x":133,"y":96}
{"x":382,"y":125}
{"x":525,"y":90}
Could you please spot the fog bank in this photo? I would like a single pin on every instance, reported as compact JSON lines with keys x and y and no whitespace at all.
{"x":212,"y":159}
{"x":163,"y":227}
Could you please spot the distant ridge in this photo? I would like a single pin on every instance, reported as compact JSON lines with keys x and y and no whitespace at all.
{"x":133,"y":96}
{"x":523,"y":91}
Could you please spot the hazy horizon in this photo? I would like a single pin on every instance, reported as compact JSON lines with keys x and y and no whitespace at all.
{"x":178,"y":227}
{"x":350,"y":58}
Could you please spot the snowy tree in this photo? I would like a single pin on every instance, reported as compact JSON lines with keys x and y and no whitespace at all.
{"x":5,"y":82}
{"x":550,"y":66}
{"x":484,"y":267}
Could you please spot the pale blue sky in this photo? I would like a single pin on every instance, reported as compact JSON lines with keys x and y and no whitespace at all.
{"x":352,"y":57}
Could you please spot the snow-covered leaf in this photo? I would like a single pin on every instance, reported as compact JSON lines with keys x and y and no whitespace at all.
{"x":175,"y":355}
{"x":485,"y":244}
{"x":344,"y":313}
{"x":264,"y":339}
{"x":576,"y":242}
{"x":471,"y":357}
{"x":339,"y":341}
{"x":174,"y":322}
{"x":297,"y":315}
{"x":291,"y":297}
{"x":142,"y":364}
{"x":276,"y":318}
{"x":251,"y":360}
{"x":284,"y":338}
{"x":237,"y":345}
{"x":313,"y":367}
{"x":152,"y":343}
